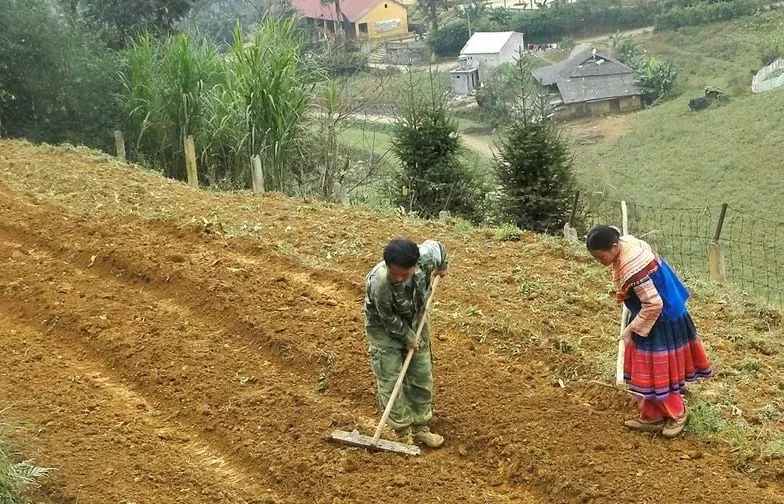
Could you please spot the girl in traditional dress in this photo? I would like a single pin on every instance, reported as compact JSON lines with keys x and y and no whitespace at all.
{"x":663,"y":351}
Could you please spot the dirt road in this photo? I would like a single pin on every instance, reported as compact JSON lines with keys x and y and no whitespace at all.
{"x":606,"y":36}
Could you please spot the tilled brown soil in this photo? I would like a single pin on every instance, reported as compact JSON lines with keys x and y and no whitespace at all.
{"x":163,"y":344}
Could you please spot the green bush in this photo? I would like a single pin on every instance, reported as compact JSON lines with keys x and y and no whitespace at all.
{"x":703,"y":12}
{"x":341,"y":63}
{"x":450,"y":38}
{"x":659,"y":79}
{"x":118,"y":22}
{"x":56,"y":80}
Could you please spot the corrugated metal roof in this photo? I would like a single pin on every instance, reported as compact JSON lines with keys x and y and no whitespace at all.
{"x":550,"y":74}
{"x":486,"y":42}
{"x":587,"y":77}
{"x":580,"y":64}
{"x":470,"y":69}
{"x":586,"y":89}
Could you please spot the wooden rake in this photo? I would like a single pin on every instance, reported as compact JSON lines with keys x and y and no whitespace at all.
{"x":375,"y":442}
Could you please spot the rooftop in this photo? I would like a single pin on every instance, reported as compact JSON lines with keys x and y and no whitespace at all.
{"x":486,"y":42}
{"x":352,"y":10}
{"x":589,"y":76}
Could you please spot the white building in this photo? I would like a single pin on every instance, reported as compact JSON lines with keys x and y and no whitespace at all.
{"x":489,"y":49}
{"x":465,"y":79}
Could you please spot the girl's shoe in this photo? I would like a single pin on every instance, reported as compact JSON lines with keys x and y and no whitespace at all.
{"x":643,"y":425}
{"x":675,"y":426}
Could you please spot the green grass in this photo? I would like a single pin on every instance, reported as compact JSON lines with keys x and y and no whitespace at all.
{"x":675,"y":158}
{"x":16,"y":476}
{"x":774,"y":449}
{"x":368,"y":137}
{"x":508,"y":232}
{"x":386,"y":87}
{"x":672,"y":158}
{"x":705,"y":418}
{"x":727,"y":153}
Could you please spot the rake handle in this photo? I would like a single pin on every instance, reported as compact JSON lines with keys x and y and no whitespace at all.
{"x":409,"y":356}
{"x":621,"y":348}
{"x":624,"y":314}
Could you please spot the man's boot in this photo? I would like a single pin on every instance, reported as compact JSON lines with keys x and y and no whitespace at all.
{"x":422,"y":435}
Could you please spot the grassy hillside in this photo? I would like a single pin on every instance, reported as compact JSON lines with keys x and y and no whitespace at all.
{"x":673,"y":157}
{"x":669,"y":157}
{"x":721,"y":54}
{"x":727,"y":153}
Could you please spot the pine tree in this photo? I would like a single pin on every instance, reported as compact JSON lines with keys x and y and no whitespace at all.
{"x":533,"y":163}
{"x":433,"y":177}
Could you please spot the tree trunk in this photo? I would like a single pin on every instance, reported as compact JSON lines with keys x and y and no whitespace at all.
{"x":339,"y":25}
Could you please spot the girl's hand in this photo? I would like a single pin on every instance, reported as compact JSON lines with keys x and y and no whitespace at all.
{"x":626,"y":335}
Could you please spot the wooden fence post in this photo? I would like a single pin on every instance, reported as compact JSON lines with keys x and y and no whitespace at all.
{"x":119,"y":145}
{"x":341,"y":192}
{"x":190,"y":162}
{"x":716,"y":251}
{"x":257,"y":174}
{"x":574,"y":207}
{"x":568,"y":230}
{"x":344,"y":199}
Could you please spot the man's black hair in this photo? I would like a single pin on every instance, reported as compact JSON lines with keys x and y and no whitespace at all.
{"x":402,"y":253}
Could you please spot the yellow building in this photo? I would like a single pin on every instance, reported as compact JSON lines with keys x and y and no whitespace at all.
{"x":361,"y":19}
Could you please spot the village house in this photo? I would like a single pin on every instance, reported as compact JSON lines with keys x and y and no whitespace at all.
{"x":589,"y":83}
{"x":485,"y":50}
{"x":361,"y":19}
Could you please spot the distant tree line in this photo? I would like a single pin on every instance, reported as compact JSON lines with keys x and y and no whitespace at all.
{"x":558,"y":20}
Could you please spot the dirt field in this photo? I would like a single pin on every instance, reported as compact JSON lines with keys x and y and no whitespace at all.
{"x":163,"y":344}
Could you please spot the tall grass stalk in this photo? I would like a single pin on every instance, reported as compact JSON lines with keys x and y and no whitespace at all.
{"x":255,"y":100}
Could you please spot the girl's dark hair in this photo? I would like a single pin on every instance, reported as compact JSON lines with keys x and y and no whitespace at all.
{"x":403,"y":253}
{"x":602,"y":238}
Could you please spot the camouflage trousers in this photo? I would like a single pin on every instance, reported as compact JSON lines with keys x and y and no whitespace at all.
{"x":413,"y":404}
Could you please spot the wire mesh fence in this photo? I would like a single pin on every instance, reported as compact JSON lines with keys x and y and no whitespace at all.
{"x":752,"y":258}
{"x":747,"y":257}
